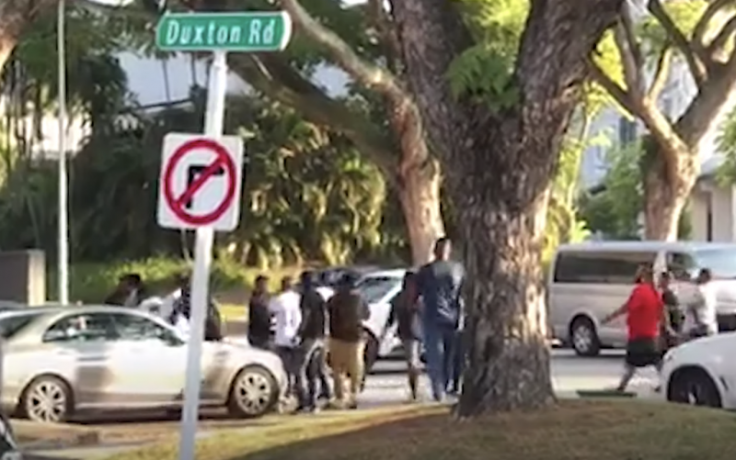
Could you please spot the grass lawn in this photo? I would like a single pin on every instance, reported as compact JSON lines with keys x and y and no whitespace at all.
{"x":233,"y":312}
{"x":571,"y":430}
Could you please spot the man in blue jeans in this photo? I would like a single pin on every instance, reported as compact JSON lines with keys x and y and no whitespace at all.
{"x":440,"y":284}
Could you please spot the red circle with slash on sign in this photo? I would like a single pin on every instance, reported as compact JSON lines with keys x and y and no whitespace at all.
{"x":222,"y":160}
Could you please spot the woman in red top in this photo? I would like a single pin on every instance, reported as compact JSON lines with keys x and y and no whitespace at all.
{"x":645,"y":315}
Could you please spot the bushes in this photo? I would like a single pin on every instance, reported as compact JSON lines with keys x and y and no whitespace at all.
{"x":92,"y":282}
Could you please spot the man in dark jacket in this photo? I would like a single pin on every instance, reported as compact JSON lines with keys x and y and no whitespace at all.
{"x":404,"y":313}
{"x":312,"y":343}
{"x":440,"y":284}
{"x":347,"y":310}
{"x":259,"y":318}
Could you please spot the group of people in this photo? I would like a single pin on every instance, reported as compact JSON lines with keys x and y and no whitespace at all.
{"x":131,"y":292}
{"x":657,"y":320}
{"x":314,"y":328}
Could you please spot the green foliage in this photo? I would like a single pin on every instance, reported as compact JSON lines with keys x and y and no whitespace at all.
{"x":484,"y":76}
{"x":91,"y":40}
{"x":614,"y":209}
{"x":563,"y":225}
{"x":484,"y":72}
{"x":726,"y":144}
{"x":92,"y":282}
{"x":308,"y":195}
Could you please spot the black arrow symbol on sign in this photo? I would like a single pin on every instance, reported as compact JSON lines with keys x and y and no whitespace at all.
{"x":193,"y":172}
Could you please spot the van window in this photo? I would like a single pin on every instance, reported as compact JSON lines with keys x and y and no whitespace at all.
{"x":682,"y":266}
{"x":600,"y":267}
{"x":722,"y":262}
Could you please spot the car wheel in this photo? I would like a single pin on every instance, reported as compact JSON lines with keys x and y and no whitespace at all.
{"x":693,"y":386}
{"x":584,"y":338}
{"x":47,"y":399}
{"x":253,"y":393}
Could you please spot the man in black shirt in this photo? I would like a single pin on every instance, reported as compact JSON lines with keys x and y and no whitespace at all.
{"x":259,"y":318}
{"x":404,"y":311}
{"x":440,"y":286}
{"x":312,"y":343}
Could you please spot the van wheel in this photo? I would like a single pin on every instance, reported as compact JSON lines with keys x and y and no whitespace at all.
{"x":584,"y":338}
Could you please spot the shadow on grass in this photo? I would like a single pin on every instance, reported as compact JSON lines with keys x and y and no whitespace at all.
{"x":581,"y":430}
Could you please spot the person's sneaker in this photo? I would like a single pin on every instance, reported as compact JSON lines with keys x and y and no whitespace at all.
{"x":352,"y":405}
{"x":314,"y":410}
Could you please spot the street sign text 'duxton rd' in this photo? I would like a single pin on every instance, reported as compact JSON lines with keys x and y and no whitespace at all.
{"x":241,"y":31}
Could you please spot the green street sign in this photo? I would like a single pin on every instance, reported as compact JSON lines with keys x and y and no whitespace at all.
{"x":237,"y":31}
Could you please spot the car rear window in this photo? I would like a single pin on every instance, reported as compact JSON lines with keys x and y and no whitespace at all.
{"x":12,"y":325}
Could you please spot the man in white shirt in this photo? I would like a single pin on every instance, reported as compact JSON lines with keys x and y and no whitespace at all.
{"x":702,"y":317}
{"x":287,"y":316}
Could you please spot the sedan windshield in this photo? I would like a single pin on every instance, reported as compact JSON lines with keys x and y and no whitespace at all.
{"x":375,"y":288}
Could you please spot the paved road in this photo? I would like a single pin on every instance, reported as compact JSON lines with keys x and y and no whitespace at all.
{"x":569,"y":374}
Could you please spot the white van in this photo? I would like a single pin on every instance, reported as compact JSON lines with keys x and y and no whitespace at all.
{"x":588,"y":281}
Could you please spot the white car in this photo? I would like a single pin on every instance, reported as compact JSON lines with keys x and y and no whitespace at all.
{"x":702,"y":372}
{"x":59,"y":361}
{"x":379,"y":289}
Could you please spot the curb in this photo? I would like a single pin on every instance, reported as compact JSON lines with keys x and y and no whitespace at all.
{"x":53,"y":436}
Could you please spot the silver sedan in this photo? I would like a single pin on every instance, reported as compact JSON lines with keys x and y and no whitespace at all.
{"x":59,"y":361}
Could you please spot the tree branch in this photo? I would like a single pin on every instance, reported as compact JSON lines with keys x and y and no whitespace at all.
{"x":632,"y":59}
{"x":369,"y":75}
{"x":678,"y":39}
{"x":616,"y":91}
{"x":701,"y":28}
{"x":708,"y":103}
{"x":661,"y":73}
{"x":717,"y":47}
{"x":276,"y":79}
{"x":386,"y":33}
{"x":635,"y":56}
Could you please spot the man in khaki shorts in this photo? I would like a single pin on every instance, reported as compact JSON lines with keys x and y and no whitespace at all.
{"x":346,"y":310}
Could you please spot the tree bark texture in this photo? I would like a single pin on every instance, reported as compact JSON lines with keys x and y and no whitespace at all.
{"x":498,"y":168}
{"x":666,"y":191}
{"x":419,"y":192}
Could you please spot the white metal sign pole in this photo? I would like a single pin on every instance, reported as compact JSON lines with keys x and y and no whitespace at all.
{"x":201,"y":273}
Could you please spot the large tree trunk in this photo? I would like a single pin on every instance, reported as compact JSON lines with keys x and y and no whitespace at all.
{"x":419,"y":192}
{"x":665,"y":194}
{"x":499,"y":167}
